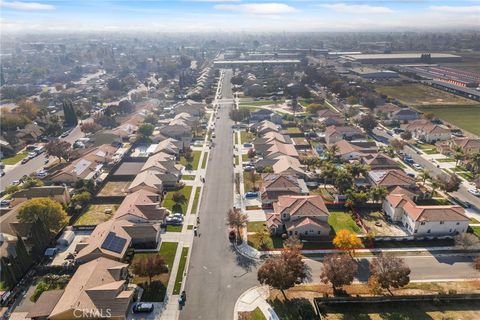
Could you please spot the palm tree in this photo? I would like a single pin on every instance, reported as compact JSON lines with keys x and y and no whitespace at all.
{"x":377,"y":194}
{"x":357,"y":169}
{"x":331,"y":152}
{"x":435,"y":185}
{"x":328,"y":172}
{"x":474,"y":160}
{"x":424,"y":176}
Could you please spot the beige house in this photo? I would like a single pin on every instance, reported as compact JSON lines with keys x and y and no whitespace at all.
{"x":165,"y":167}
{"x":353,"y":150}
{"x":425,"y":220}
{"x":391,"y":178}
{"x":303,"y":216}
{"x":57,"y":193}
{"x":467,"y":145}
{"x":276,"y":185}
{"x":333,"y":134}
{"x":136,"y":223}
{"x":147,"y":180}
{"x":98,"y":289}
{"x":169,"y":145}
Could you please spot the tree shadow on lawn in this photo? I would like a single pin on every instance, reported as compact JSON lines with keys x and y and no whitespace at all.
{"x":363,"y":269}
{"x":293,"y":309}
{"x":155,"y":292}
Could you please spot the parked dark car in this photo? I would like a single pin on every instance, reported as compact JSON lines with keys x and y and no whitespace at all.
{"x":251,"y":194}
{"x":143,"y":308}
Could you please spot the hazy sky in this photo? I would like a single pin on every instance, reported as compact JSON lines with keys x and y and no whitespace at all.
{"x":237,"y":15}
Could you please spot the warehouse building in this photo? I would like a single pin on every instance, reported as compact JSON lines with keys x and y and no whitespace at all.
{"x":399,"y":58}
{"x":369,"y":73}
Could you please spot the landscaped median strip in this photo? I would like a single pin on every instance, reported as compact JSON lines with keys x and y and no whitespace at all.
{"x":180,"y":271}
{"x":195,"y":200}
{"x":204,"y":161}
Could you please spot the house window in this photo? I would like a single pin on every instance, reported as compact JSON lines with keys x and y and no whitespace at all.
{"x":428,"y":231}
{"x":442,"y":222}
{"x":319,"y":232}
{"x":422,"y":223}
{"x":284,"y":216}
{"x":450,"y":231}
{"x":296,"y":232}
{"x":415,"y":231}
{"x":458,"y":223}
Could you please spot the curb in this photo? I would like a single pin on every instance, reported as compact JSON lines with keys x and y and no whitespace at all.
{"x":244,"y":254}
{"x":235,"y":308}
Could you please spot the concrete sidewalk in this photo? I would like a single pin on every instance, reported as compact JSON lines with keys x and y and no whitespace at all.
{"x":253,"y":298}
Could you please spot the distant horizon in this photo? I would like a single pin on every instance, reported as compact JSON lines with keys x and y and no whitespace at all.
{"x":213,"y":16}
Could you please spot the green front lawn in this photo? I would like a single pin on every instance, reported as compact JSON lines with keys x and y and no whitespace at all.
{"x":261,"y":102}
{"x":178,"y":207}
{"x":155,"y":292}
{"x":188,"y":177}
{"x":171,"y":228}
{"x":195,"y":201}
{"x":476,"y":231}
{"x":293,"y":130}
{"x":181,"y":270}
{"x":204,"y":161}
{"x":14,"y":159}
{"x":194,"y":163}
{"x":343,"y":220}
{"x":272,"y":242}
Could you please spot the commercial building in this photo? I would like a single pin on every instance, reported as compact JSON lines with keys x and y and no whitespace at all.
{"x":398,"y":58}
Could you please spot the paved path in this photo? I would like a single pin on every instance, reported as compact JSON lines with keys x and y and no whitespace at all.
{"x":217,"y":275}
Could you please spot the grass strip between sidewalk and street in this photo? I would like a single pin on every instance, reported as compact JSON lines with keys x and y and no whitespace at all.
{"x":181,"y":269}
{"x":205,"y":159}
{"x":195,"y":200}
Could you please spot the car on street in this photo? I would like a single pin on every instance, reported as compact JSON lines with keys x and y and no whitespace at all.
{"x":411,"y":174}
{"x":474,"y":191}
{"x":41,"y":174}
{"x":417,"y":166}
{"x":5,"y":203}
{"x":249,"y":168}
{"x":408,"y":160}
{"x":25,"y":160}
{"x":251,"y":194}
{"x":143,"y":307}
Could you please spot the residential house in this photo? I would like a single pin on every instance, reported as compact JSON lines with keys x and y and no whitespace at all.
{"x":169,"y":145}
{"x":123,"y":132}
{"x":328,"y":113}
{"x":142,"y":206}
{"x":6,"y":149}
{"x":29,"y":134}
{"x":387,"y":109}
{"x":148,"y":180}
{"x":391,"y":178}
{"x":279,"y":149}
{"x":425,"y":220}
{"x":428,"y":132}
{"x":263,"y":127}
{"x":98,"y":289}
{"x":350,"y":150}
{"x":467,"y":145}
{"x":405,"y":115}
{"x":289,"y":165}
{"x":260,"y":115}
{"x":333,"y":134}
{"x":163,"y":164}
{"x":276,"y":185}
{"x":263,"y":143}
{"x":57,"y":193}
{"x":80,"y":169}
{"x":379,"y":161}
{"x":178,"y":130}
{"x":303,"y":216}
{"x":194,"y":108}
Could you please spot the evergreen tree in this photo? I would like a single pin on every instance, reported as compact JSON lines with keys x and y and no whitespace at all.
{"x":70,"y":117}
{"x":23,"y":258}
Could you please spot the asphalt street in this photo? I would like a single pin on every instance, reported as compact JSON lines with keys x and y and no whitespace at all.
{"x":35,"y":164}
{"x":462,"y":193}
{"x":217,"y":275}
{"x":429,"y":267}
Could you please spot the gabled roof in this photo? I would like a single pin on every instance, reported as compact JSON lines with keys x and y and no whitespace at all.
{"x":426,"y":213}
{"x":282,"y":148}
{"x":345,"y":147}
{"x":306,"y":221}
{"x":148,"y":178}
{"x":331,"y":130}
{"x":328,"y":113}
{"x":379,"y":160}
{"x":285,"y":163}
{"x":94,"y":287}
{"x":301,"y":206}
{"x":391,"y":177}
{"x":162,"y":162}
{"x":142,"y":204}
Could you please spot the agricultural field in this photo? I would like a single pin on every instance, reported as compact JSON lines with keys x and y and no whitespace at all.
{"x":419,"y":94}
{"x":463,"y":116}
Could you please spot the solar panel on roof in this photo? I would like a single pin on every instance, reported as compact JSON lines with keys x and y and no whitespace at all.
{"x":114,"y":243}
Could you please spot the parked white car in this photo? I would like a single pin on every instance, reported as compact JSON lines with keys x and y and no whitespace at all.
{"x":474,"y":191}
